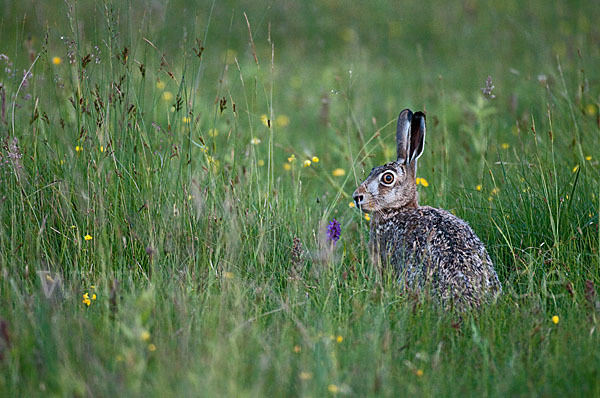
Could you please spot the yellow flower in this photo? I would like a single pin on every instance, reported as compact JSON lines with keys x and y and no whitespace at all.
{"x":555,"y":319}
{"x":228,"y":275}
{"x":315,"y":159}
{"x":186,"y":119}
{"x":62,"y":161}
{"x":88,"y":237}
{"x":338,"y":172}
{"x":591,"y":109}
{"x":575,"y":169}
{"x":190,"y":197}
{"x":367,"y":217}
{"x":213,"y":132}
{"x":419,"y":372}
{"x":351,"y":204}
{"x":255,"y":141}
{"x":332,"y":388}
{"x":305,"y":375}
{"x":306,"y":163}
{"x":261,"y":162}
{"x":167,"y":96}
{"x":86,"y":299}
{"x":265,"y":120}
{"x":422,"y":181}
{"x":292,"y":158}
{"x":478,"y":187}
{"x":160,"y":85}
{"x":101,"y":149}
{"x":588,"y":158}
{"x":339,"y":339}
{"x":287,"y":166}
{"x":93,"y":287}
{"x":78,"y":148}
{"x":145,"y":335}
{"x":297,"y":349}
{"x":282,"y":121}
{"x":151,"y":347}
{"x":495,"y":191}
{"x":505,"y":145}
{"x":93,"y":296}
{"x":56,"y":60}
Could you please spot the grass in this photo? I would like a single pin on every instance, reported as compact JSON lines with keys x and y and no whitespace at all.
{"x":208,"y":258}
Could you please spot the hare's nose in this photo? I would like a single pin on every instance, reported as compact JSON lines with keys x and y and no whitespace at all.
{"x":358,"y":199}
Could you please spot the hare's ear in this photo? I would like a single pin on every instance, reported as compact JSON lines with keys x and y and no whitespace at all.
{"x":416,"y":137}
{"x":402,"y":135}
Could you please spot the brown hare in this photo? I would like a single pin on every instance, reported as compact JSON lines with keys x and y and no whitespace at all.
{"x":426,"y":247}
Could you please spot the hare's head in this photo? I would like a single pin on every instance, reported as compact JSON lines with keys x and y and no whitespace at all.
{"x":393,"y":185}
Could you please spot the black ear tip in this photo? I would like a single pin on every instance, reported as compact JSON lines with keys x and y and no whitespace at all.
{"x":405,"y":114}
{"x":418,"y":120}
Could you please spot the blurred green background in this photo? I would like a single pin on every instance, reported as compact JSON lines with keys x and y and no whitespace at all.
{"x":175,"y":164}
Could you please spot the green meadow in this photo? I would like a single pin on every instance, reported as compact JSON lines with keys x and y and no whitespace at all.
{"x":168,"y":171}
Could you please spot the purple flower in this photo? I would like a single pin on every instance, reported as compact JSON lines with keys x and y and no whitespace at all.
{"x":334,"y":230}
{"x":487,"y":90}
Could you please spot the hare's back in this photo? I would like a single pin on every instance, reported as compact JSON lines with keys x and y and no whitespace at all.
{"x":439,"y":243}
{"x":441,"y":230}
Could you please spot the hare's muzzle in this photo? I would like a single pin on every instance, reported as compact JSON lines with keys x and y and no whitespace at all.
{"x":359,"y":197}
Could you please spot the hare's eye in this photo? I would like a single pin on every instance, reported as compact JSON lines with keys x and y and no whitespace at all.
{"x":387,"y":178}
